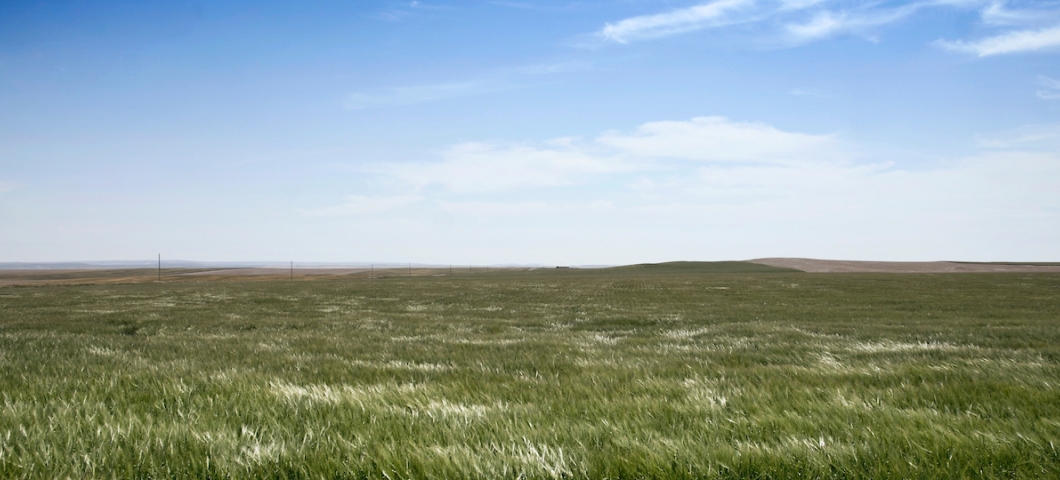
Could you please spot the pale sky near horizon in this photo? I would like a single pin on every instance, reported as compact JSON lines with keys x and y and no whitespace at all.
{"x":548,"y":132}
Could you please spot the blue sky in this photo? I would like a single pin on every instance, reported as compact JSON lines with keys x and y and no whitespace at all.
{"x":530,"y":132}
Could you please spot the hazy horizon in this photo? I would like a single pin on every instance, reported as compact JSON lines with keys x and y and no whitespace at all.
{"x":279,"y":264}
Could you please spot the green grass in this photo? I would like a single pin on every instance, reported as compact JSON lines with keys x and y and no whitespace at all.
{"x":547,"y":374}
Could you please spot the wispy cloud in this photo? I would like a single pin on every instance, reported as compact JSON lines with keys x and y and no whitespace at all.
{"x":6,"y":186}
{"x":669,"y":185}
{"x":403,"y":10}
{"x":800,"y":20}
{"x":1050,"y":88}
{"x":676,"y":21}
{"x":795,"y":22}
{"x":483,"y":167}
{"x":509,"y":209}
{"x":999,"y":13}
{"x":1019,"y":41}
{"x":705,"y":159}
{"x":718,"y":139}
{"x":471,"y":168}
{"x":500,"y":80}
{"x":413,"y":94}
{"x":1027,"y":137}
{"x":364,"y":205}
{"x":828,"y":23}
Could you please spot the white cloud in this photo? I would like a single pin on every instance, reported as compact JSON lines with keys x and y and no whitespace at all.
{"x":669,"y":23}
{"x":422,"y":93}
{"x":6,"y":186}
{"x":823,"y":24}
{"x":1028,"y":137}
{"x":499,"y":80}
{"x":829,"y":23}
{"x":994,"y":205}
{"x":487,"y":168}
{"x":508,"y":209}
{"x":719,"y":139}
{"x":716,"y":188}
{"x":1019,"y":41}
{"x":1051,"y":90}
{"x":363,"y":205}
{"x":791,"y":15}
{"x":481,"y":167}
{"x":997,"y":205}
{"x":713,"y":188}
{"x":636,"y":201}
{"x":999,"y":13}
{"x":801,"y":21}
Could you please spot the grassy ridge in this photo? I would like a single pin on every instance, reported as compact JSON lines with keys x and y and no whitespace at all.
{"x":1033,"y":264}
{"x":539,"y":374}
{"x":691,"y":268}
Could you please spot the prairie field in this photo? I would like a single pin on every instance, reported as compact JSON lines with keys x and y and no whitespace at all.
{"x":680,"y":371}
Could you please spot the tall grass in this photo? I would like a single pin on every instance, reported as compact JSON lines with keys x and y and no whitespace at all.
{"x":536,"y":375}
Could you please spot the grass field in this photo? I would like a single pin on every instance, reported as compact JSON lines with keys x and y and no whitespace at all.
{"x":680,"y":371}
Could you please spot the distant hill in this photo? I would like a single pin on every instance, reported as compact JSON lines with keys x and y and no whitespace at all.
{"x":860,"y":266}
{"x":76,"y":265}
{"x":125,"y":264}
{"x":702,"y":267}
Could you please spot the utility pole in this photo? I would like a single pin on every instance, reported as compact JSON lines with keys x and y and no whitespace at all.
{"x":159,"y":268}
